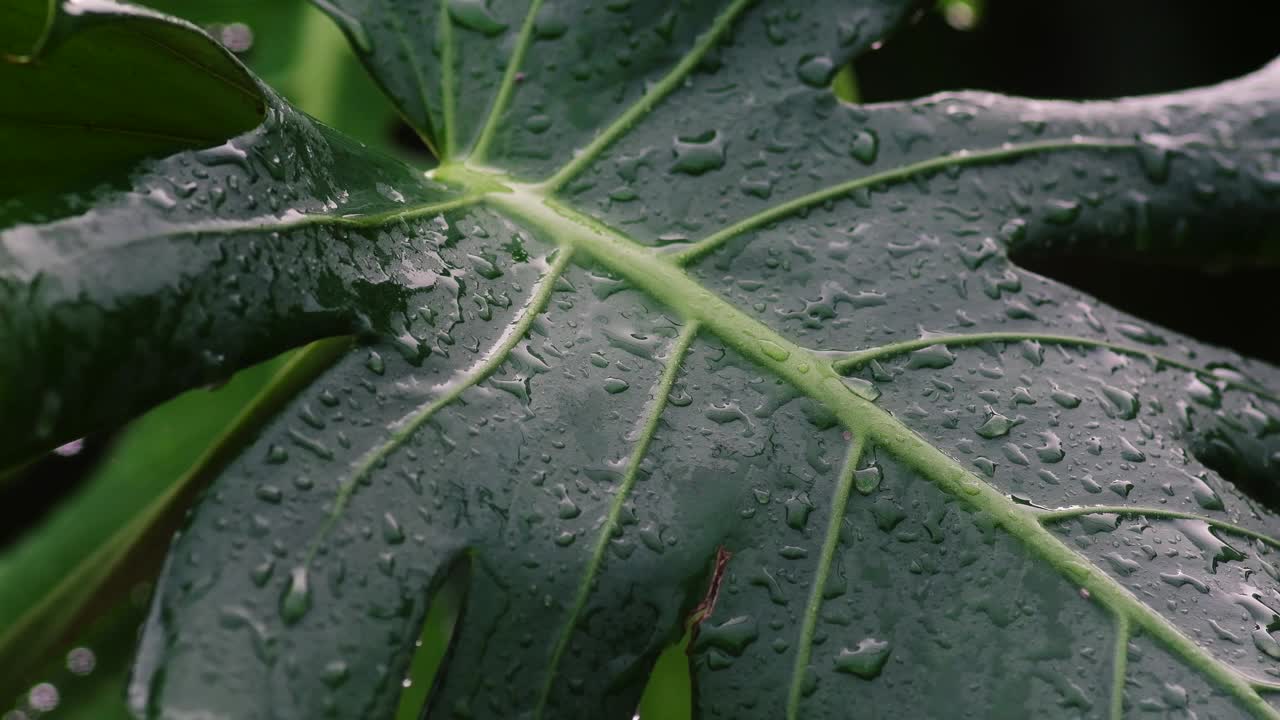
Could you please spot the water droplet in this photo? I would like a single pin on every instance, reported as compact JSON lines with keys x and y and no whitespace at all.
{"x":269,"y":493}
{"x":1120,"y":403}
{"x":1139,"y":333}
{"x":996,"y":425}
{"x":866,"y":661}
{"x":296,"y":600}
{"x":1206,"y":497}
{"x":865,"y":147}
{"x":864,"y":389}
{"x":933,"y":357}
{"x":792,"y":552}
{"x":475,"y":15}
{"x":1051,"y":451}
{"x":867,"y":479}
{"x":1154,"y":152}
{"x":537,"y":124}
{"x":733,"y":636}
{"x":613,"y":386}
{"x":236,"y":37}
{"x":1131,"y":453}
{"x":261,"y":572}
{"x":392,"y":533}
{"x":1201,"y":392}
{"x":485,"y":267}
{"x":567,"y":510}
{"x":335,"y":673}
{"x":549,"y":23}
{"x":1178,"y":579}
{"x":277,"y":455}
{"x":375,"y":363}
{"x":1064,"y":398}
{"x":1062,"y":212}
{"x":698,"y":154}
{"x":798,"y":508}
{"x":816,"y":70}
{"x":774,"y":351}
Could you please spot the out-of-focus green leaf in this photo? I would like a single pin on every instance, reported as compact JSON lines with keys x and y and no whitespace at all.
{"x":50,"y":585}
{"x":86,"y":681}
{"x":667,"y":696}
{"x":105,"y":113}
{"x":114,"y":530}
{"x":298,"y":51}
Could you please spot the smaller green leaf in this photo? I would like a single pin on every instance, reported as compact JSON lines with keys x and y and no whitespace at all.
{"x":112,"y":532}
{"x":668,"y":694}
{"x":107,"y":113}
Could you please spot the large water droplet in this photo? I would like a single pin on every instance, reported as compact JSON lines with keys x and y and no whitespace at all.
{"x":475,"y":15}
{"x":816,"y":70}
{"x":296,"y":600}
{"x":866,"y":661}
{"x":698,"y":154}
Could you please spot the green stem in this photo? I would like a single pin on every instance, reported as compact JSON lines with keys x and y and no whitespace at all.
{"x":1119,"y":666}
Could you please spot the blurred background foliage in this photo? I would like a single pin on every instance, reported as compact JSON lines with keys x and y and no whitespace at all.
{"x":83,"y":532}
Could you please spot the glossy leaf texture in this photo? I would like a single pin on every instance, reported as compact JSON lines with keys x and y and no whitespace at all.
{"x":672,"y":337}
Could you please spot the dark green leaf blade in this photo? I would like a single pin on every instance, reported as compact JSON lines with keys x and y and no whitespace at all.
{"x":194,"y":260}
{"x":789,"y":530}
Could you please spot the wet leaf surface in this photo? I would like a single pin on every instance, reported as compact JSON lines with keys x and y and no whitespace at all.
{"x":668,"y":316}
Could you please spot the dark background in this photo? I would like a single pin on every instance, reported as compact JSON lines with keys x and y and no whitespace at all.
{"x":1076,"y":48}
{"x":1087,"y":49}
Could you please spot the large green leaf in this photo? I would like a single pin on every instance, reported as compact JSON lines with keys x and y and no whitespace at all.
{"x":673,"y":335}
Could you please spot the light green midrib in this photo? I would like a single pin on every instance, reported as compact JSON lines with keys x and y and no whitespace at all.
{"x":816,"y":377}
{"x":641,"y":448}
